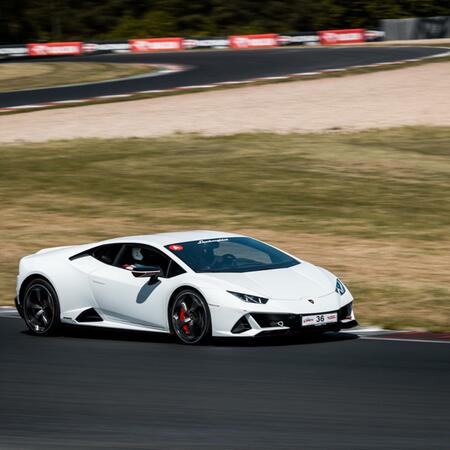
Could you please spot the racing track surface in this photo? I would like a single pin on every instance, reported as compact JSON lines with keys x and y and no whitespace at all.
{"x":215,"y":66}
{"x":104,"y":389}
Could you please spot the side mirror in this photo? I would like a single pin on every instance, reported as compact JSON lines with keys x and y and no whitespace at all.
{"x":141,"y":271}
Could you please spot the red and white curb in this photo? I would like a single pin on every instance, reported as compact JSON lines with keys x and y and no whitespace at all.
{"x":380,"y":334}
{"x":173,"y":68}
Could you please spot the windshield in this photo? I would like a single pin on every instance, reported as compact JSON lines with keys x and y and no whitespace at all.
{"x":237,"y":254}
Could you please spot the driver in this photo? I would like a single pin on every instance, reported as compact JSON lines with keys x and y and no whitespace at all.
{"x":136,"y":256}
{"x":136,"y":253}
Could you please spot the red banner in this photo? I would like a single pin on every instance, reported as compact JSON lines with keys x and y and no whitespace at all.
{"x":156,"y":44}
{"x":350,"y":36}
{"x":55,"y":48}
{"x":254,"y":41}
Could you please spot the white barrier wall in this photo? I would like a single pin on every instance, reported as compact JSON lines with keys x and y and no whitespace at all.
{"x":417,"y":28}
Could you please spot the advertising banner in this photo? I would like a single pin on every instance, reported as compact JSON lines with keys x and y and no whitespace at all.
{"x":350,"y":36}
{"x":373,"y":35}
{"x":156,"y":44}
{"x":206,"y":43}
{"x":254,"y":41}
{"x":106,"y":47}
{"x":298,"y":39}
{"x":13,"y":51}
{"x":55,"y":49}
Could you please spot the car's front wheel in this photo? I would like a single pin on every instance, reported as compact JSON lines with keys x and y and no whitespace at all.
{"x":189,"y":317}
{"x":41,"y":307}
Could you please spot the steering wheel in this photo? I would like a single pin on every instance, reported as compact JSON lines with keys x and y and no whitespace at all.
{"x":229,"y":260}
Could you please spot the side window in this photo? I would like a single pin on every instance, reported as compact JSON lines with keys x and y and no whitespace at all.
{"x":106,"y":253}
{"x":144,"y":255}
{"x":174,"y":270}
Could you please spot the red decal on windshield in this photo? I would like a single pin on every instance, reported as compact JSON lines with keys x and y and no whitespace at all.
{"x":175,"y":247}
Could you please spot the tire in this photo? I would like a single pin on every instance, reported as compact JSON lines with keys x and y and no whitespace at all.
{"x":189,"y":317}
{"x":41,"y":310}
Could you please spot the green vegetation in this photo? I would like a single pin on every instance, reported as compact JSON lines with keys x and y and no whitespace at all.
{"x":372,"y":206}
{"x":31,"y":20}
{"x":17,"y":76}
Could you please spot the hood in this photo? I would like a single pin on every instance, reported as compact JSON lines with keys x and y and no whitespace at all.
{"x":293,"y":283}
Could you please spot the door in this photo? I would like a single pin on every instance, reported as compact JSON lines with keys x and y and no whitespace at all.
{"x":127,"y":299}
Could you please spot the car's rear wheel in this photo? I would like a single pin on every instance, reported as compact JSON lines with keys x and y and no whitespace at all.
{"x":41,"y":308}
{"x":190,"y":318}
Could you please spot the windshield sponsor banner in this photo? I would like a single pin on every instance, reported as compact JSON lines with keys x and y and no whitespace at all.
{"x":350,"y":36}
{"x":55,"y":49}
{"x":253,"y":41}
{"x":156,"y":44}
{"x":209,"y":241}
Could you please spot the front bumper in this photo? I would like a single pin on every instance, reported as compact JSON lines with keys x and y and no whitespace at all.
{"x":335,"y":327}
{"x":252,"y":324}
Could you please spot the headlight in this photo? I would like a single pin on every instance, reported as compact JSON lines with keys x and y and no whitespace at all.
{"x":250,"y":298}
{"x":340,"y":288}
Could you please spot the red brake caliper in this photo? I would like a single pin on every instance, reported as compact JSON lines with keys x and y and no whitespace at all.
{"x":182,"y":316}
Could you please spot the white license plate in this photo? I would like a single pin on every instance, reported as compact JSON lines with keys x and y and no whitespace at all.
{"x":319,"y":319}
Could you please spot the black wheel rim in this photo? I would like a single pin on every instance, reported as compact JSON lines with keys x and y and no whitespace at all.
{"x":189,"y":318}
{"x":39,"y":308}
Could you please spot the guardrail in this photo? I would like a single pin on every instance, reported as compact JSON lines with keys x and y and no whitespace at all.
{"x":325,"y":37}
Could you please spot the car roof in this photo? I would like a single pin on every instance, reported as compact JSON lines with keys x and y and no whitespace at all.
{"x":162,"y":239}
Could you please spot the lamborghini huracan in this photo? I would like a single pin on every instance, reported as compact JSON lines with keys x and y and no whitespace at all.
{"x":194,"y":285}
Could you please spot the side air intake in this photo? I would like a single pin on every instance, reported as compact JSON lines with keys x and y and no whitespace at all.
{"x":241,"y":325}
{"x":89,"y":315}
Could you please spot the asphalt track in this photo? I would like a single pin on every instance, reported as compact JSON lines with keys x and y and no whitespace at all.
{"x":216,"y":66}
{"x":105,"y":389}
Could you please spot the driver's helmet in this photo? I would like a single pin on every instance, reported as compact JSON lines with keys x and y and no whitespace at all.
{"x":137,"y":254}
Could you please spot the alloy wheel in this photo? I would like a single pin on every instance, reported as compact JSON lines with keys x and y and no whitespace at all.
{"x":190,"y":319}
{"x":39,"y":308}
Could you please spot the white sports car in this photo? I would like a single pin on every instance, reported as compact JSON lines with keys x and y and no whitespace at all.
{"x":193,"y":285}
